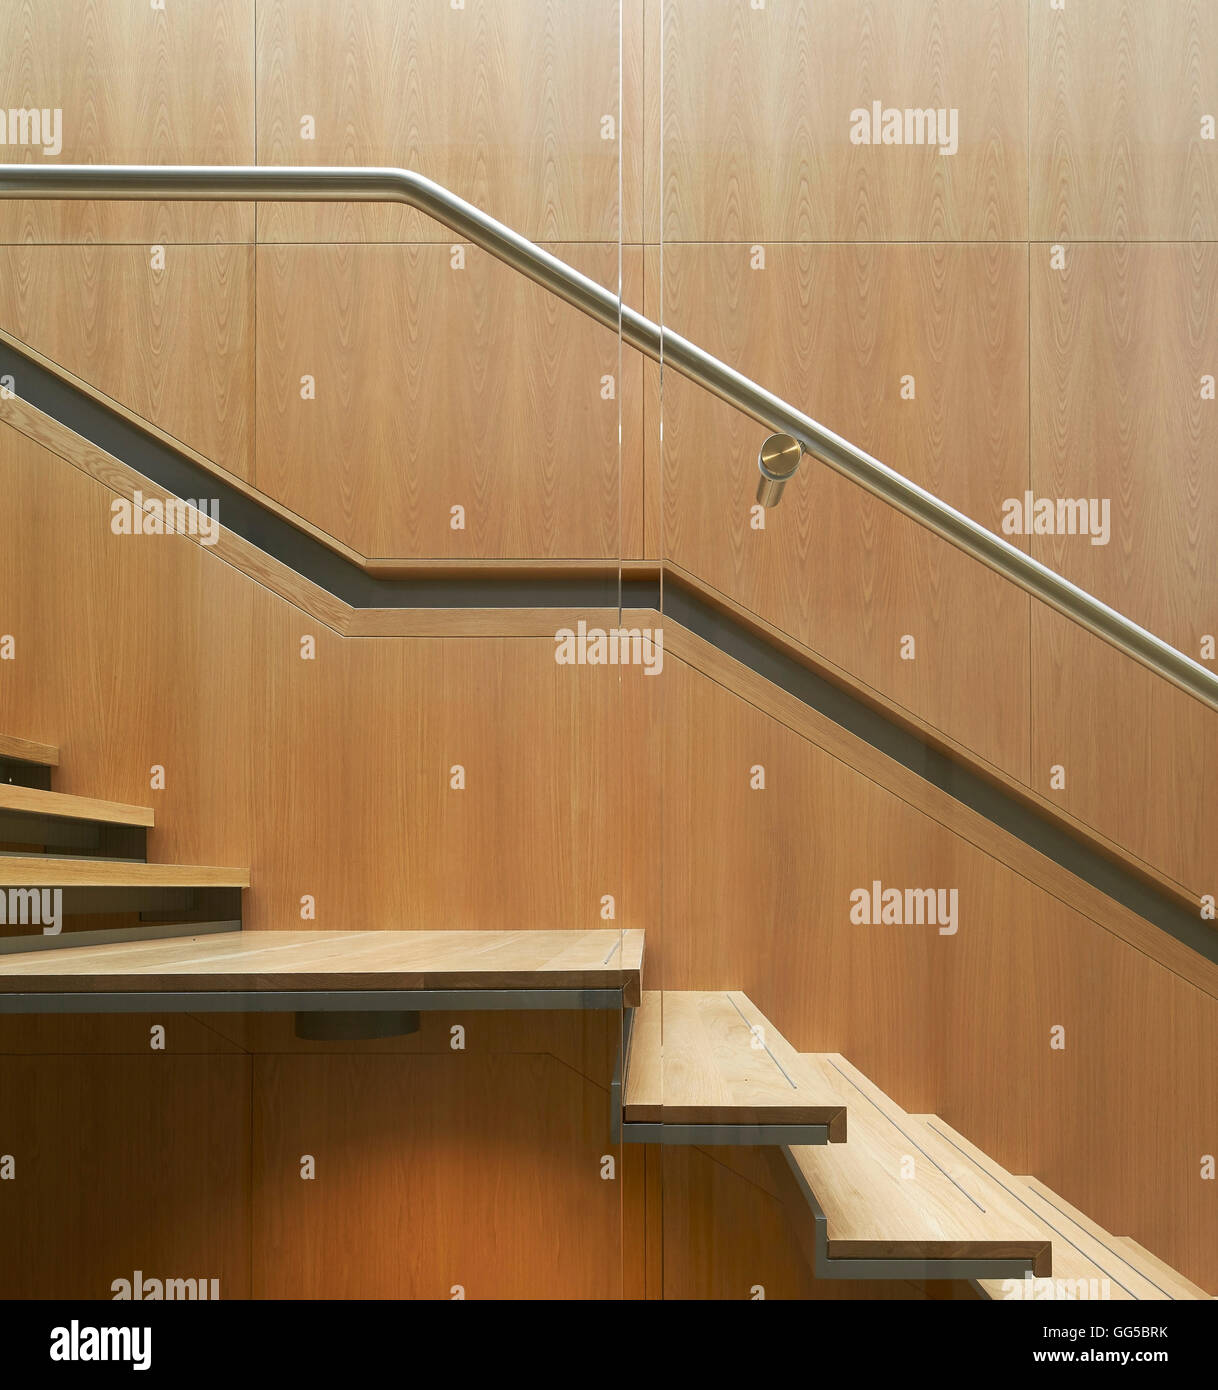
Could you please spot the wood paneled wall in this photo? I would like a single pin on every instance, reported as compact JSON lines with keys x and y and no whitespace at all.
{"x":439,"y":386}
{"x":756,"y":120}
{"x":503,"y":103}
{"x":330,"y":777}
{"x":756,"y":889}
{"x":260,"y":748}
{"x":136,"y":85}
{"x":1117,"y":147}
{"x":174,"y":344}
{"x":1004,"y":288}
{"x":889,"y":270}
{"x":837,"y":328}
{"x":1080,"y":128}
{"x":432,"y":1167}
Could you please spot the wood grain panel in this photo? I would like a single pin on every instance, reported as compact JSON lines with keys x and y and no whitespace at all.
{"x":27,"y":751}
{"x":439,"y":387}
{"x":958,"y":1024}
{"x":175,"y":345}
{"x":335,"y":772}
{"x":537,"y":817}
{"x":1122,"y":340}
{"x":124,"y":1163}
{"x":136,"y":85}
{"x":42,"y":803}
{"x":1140,"y":756}
{"x":585,"y":1040}
{"x":939,"y":803}
{"x":1120,"y":90}
{"x":1138,"y":1040}
{"x":433,"y":1171}
{"x":757,"y":120}
{"x":70,"y":871}
{"x":835,"y":329}
{"x":100,"y":1034}
{"x":500,"y":102}
{"x":727,"y":1236}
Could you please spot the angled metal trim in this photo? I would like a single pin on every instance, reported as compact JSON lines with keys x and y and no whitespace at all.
{"x":308,"y":1001}
{"x":617,"y":1084}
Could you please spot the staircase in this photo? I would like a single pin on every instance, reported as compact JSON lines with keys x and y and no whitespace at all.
{"x":872,"y":1192}
{"x":75,"y":869}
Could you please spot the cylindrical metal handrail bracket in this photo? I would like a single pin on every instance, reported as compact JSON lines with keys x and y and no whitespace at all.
{"x":155,"y":183}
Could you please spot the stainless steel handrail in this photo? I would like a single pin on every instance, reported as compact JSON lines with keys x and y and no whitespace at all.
{"x":315,"y":185}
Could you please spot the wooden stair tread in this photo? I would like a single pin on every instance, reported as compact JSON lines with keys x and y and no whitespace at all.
{"x":302,"y":960}
{"x":885,"y":1197}
{"x":1170,"y":1280}
{"x":1089,"y":1260}
{"x":61,"y":871}
{"x":713,"y":1058}
{"x":26,"y":750}
{"x":1162,"y":1277}
{"x":43,"y":803}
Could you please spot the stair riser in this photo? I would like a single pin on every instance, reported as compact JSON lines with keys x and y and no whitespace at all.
{"x":141,"y":911}
{"x":24,"y":831}
{"x":23,"y":774}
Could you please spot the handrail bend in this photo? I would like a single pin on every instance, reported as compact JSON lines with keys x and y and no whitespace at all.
{"x":369,"y":185}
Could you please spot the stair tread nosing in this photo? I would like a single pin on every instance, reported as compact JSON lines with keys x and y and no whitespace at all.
{"x":26,"y":750}
{"x":34,"y":801}
{"x":712,"y":1058}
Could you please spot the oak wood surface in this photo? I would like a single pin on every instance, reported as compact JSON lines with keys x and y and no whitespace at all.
{"x":835,"y":329}
{"x":441,"y":387}
{"x":291,"y":960}
{"x":501,"y":103}
{"x":884,"y":1198}
{"x":1121,"y":341}
{"x":1117,"y":151}
{"x":174,"y":346}
{"x":1082,"y":1250}
{"x":41,"y":803}
{"x":62,"y":871}
{"x":124,"y":1164}
{"x":721,"y":1062}
{"x":136,"y":85}
{"x":28,"y":750}
{"x":757,"y":118}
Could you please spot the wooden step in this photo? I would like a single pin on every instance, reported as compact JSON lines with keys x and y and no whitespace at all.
{"x":1087,"y":1262}
{"x":1168,"y":1282}
{"x":24,"y":750}
{"x":883,"y":1203}
{"x":268,"y":961}
{"x":1171,"y":1281}
{"x":35,"y":802}
{"x":60,"y":871}
{"x":713,"y":1059}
